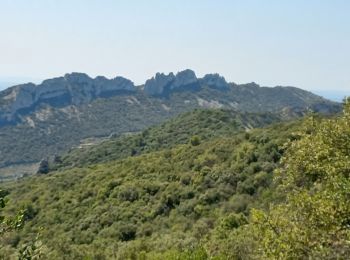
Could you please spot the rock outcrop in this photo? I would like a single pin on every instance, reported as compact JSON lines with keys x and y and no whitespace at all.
{"x":162,"y":84}
{"x":42,"y":120}
{"x":215,"y":81}
{"x":79,"y":88}
{"x":184,"y":80}
{"x":157,"y":85}
{"x":72,"y":89}
{"x":75,"y":89}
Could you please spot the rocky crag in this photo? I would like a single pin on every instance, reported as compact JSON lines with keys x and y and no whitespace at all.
{"x":46,"y":119}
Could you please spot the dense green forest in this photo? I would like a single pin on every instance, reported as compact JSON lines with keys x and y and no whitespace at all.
{"x":222,"y":190}
{"x":198,"y":124}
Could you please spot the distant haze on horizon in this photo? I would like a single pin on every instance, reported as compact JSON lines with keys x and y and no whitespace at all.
{"x":289,"y":43}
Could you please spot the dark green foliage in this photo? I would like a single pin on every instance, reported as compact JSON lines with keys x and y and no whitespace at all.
{"x":44,"y":166}
{"x":308,"y":213}
{"x":206,"y":189}
{"x":193,"y":127}
{"x":9,"y":223}
{"x":160,"y":204}
{"x":195,"y":140}
{"x":313,"y":221}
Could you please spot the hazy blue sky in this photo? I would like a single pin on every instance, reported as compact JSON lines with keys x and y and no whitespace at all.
{"x":304,"y":43}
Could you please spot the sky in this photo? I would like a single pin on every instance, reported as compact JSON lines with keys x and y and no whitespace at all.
{"x":272,"y":42}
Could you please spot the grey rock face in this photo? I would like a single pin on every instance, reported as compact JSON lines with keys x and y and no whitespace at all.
{"x":215,"y":81}
{"x":79,"y":88}
{"x":161,"y":82}
{"x":104,"y":85}
{"x":19,"y":97}
{"x":74,"y":88}
{"x":49,"y":89}
{"x":157,"y":84}
{"x":184,"y":78}
{"x":23,"y":96}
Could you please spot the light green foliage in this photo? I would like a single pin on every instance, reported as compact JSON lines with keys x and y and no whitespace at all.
{"x":8,"y":224}
{"x":32,"y":251}
{"x":314,"y":220}
{"x":215,"y":199}
{"x":195,"y":140}
{"x":161,"y":204}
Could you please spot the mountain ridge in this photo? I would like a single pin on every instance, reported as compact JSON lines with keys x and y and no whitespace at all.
{"x":168,"y":198}
{"x":78,"y":88}
{"x":78,"y":107}
{"x":74,"y":88}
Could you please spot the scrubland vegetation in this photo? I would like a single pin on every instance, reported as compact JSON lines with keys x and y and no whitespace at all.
{"x":210,"y":188}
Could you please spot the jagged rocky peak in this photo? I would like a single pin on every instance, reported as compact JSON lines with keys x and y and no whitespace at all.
{"x":77,"y":78}
{"x":161,"y":83}
{"x":157,"y":84}
{"x":251,"y":85}
{"x":100,"y":84}
{"x":80,"y":88}
{"x":184,"y":78}
{"x":106,"y":86}
{"x":215,"y":81}
{"x":74,"y":88}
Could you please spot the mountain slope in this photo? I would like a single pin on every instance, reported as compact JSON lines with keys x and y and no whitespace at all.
{"x":200,"y":125}
{"x":161,"y":200}
{"x":50,"y":118}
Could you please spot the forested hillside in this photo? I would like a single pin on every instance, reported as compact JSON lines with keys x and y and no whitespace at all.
{"x":48,"y":119}
{"x":175,"y":130}
{"x":278,"y":192}
{"x":197,"y":126}
{"x":165,"y":199}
